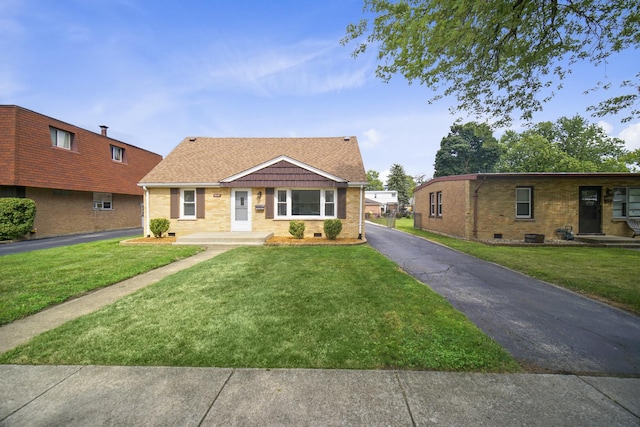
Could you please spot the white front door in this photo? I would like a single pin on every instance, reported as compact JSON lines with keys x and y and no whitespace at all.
{"x":241,"y":210}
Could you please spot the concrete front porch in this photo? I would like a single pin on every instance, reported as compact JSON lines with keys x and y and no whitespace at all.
{"x":609,"y":241}
{"x":233,"y":238}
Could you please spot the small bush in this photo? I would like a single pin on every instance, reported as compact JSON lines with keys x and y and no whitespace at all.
{"x":296,"y":229}
{"x":159,"y":226}
{"x":16,"y":217}
{"x":332,"y":227}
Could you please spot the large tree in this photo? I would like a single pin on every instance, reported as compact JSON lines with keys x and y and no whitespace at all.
{"x":468,"y":148}
{"x":568,"y":145}
{"x":498,"y":57}
{"x":397,"y":181}
{"x":373,"y":181}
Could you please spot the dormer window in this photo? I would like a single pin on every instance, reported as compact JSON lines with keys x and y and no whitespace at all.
{"x":61,"y":138}
{"x":117,"y":154}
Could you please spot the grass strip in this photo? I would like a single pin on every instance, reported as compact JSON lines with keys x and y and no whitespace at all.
{"x":32,"y":281}
{"x":277,"y":307}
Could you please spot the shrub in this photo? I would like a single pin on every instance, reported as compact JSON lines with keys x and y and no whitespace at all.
{"x":332,"y":227}
{"x":16,"y":217}
{"x":296,"y":229}
{"x":159,"y":226}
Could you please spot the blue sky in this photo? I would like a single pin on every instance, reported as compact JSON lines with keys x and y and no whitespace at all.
{"x":156,"y":72}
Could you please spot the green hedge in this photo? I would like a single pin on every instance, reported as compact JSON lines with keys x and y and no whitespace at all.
{"x":159,"y":226}
{"x":296,"y":229}
{"x":16,"y":217}
{"x":332,"y":227}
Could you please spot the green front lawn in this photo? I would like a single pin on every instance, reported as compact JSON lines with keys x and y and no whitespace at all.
{"x":607,"y":274}
{"x":277,"y":307}
{"x":30,"y":282}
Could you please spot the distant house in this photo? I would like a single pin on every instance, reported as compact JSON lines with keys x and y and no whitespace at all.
{"x":510,"y":205}
{"x":258,"y":184}
{"x":387,"y":201}
{"x":81,"y":181}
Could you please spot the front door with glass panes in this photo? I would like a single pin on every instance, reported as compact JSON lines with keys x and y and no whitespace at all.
{"x":240,"y":210}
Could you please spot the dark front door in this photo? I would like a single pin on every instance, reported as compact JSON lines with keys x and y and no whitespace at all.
{"x":589,"y":221}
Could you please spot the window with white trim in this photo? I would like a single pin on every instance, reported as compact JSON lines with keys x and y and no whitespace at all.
{"x":626,"y":202}
{"x":187,"y":203}
{"x":439,"y":202}
{"x":432,"y":204}
{"x":102,"y":201}
{"x":305,"y":203}
{"x":524,"y":202}
{"x":61,"y":138}
{"x":117,"y":154}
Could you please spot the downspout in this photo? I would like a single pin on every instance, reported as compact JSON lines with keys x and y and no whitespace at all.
{"x":475,"y":208}
{"x":147,"y":224}
{"x":360,"y":217}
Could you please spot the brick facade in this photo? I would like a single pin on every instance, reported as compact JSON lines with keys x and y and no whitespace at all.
{"x":217,"y":218}
{"x":483,"y":206}
{"x":62,"y":181}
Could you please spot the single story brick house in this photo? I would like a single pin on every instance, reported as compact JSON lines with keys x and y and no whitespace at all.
{"x":509,"y":205}
{"x":258,"y":184}
{"x":81,"y":181}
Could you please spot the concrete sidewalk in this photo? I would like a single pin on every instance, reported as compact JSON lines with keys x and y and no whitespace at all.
{"x":159,"y":396}
{"x":156,"y":396}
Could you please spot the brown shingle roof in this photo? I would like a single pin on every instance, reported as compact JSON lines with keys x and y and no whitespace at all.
{"x":210,"y":160}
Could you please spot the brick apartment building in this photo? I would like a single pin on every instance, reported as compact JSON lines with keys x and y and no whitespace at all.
{"x":510,"y":205}
{"x":81,"y":181}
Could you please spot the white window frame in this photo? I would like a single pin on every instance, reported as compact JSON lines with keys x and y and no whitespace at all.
{"x":528,"y":202}
{"x":432,"y":204}
{"x":117,"y":154}
{"x":183,"y":202}
{"x":278,"y":202}
{"x":61,"y":138}
{"x":628,"y":203}
{"x":439,"y":203}
{"x":102,"y":201}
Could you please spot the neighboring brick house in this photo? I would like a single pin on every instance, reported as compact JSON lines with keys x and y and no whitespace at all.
{"x":510,"y":205}
{"x":81,"y":181}
{"x":258,"y":184}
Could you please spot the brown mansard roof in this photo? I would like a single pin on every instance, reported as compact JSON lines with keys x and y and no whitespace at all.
{"x":205,"y":160}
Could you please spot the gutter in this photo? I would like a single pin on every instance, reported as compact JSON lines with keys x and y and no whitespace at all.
{"x":147,"y":220}
{"x":360,"y":210}
{"x":475,"y":208}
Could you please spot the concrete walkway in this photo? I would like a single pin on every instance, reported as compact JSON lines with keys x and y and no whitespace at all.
{"x":160,"y":396}
{"x":21,"y":331}
{"x":157,"y":396}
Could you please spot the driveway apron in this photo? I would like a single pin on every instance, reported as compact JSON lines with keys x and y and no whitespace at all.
{"x":545,"y":327}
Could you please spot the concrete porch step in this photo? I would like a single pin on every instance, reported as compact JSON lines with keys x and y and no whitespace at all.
{"x":234,"y":238}
{"x":610,"y":241}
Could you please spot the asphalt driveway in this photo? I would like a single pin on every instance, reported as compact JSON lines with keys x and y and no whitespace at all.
{"x":545,"y":327}
{"x":72,"y":239}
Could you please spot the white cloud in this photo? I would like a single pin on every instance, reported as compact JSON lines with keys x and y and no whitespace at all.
{"x":305,"y":68}
{"x":608,"y":128}
{"x":371,"y":138}
{"x":631,"y":136}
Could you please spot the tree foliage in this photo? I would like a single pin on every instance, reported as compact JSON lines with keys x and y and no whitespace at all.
{"x":469,"y":148}
{"x":373,"y":181}
{"x":568,"y":145}
{"x":397,"y":181}
{"x":498,"y":57}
